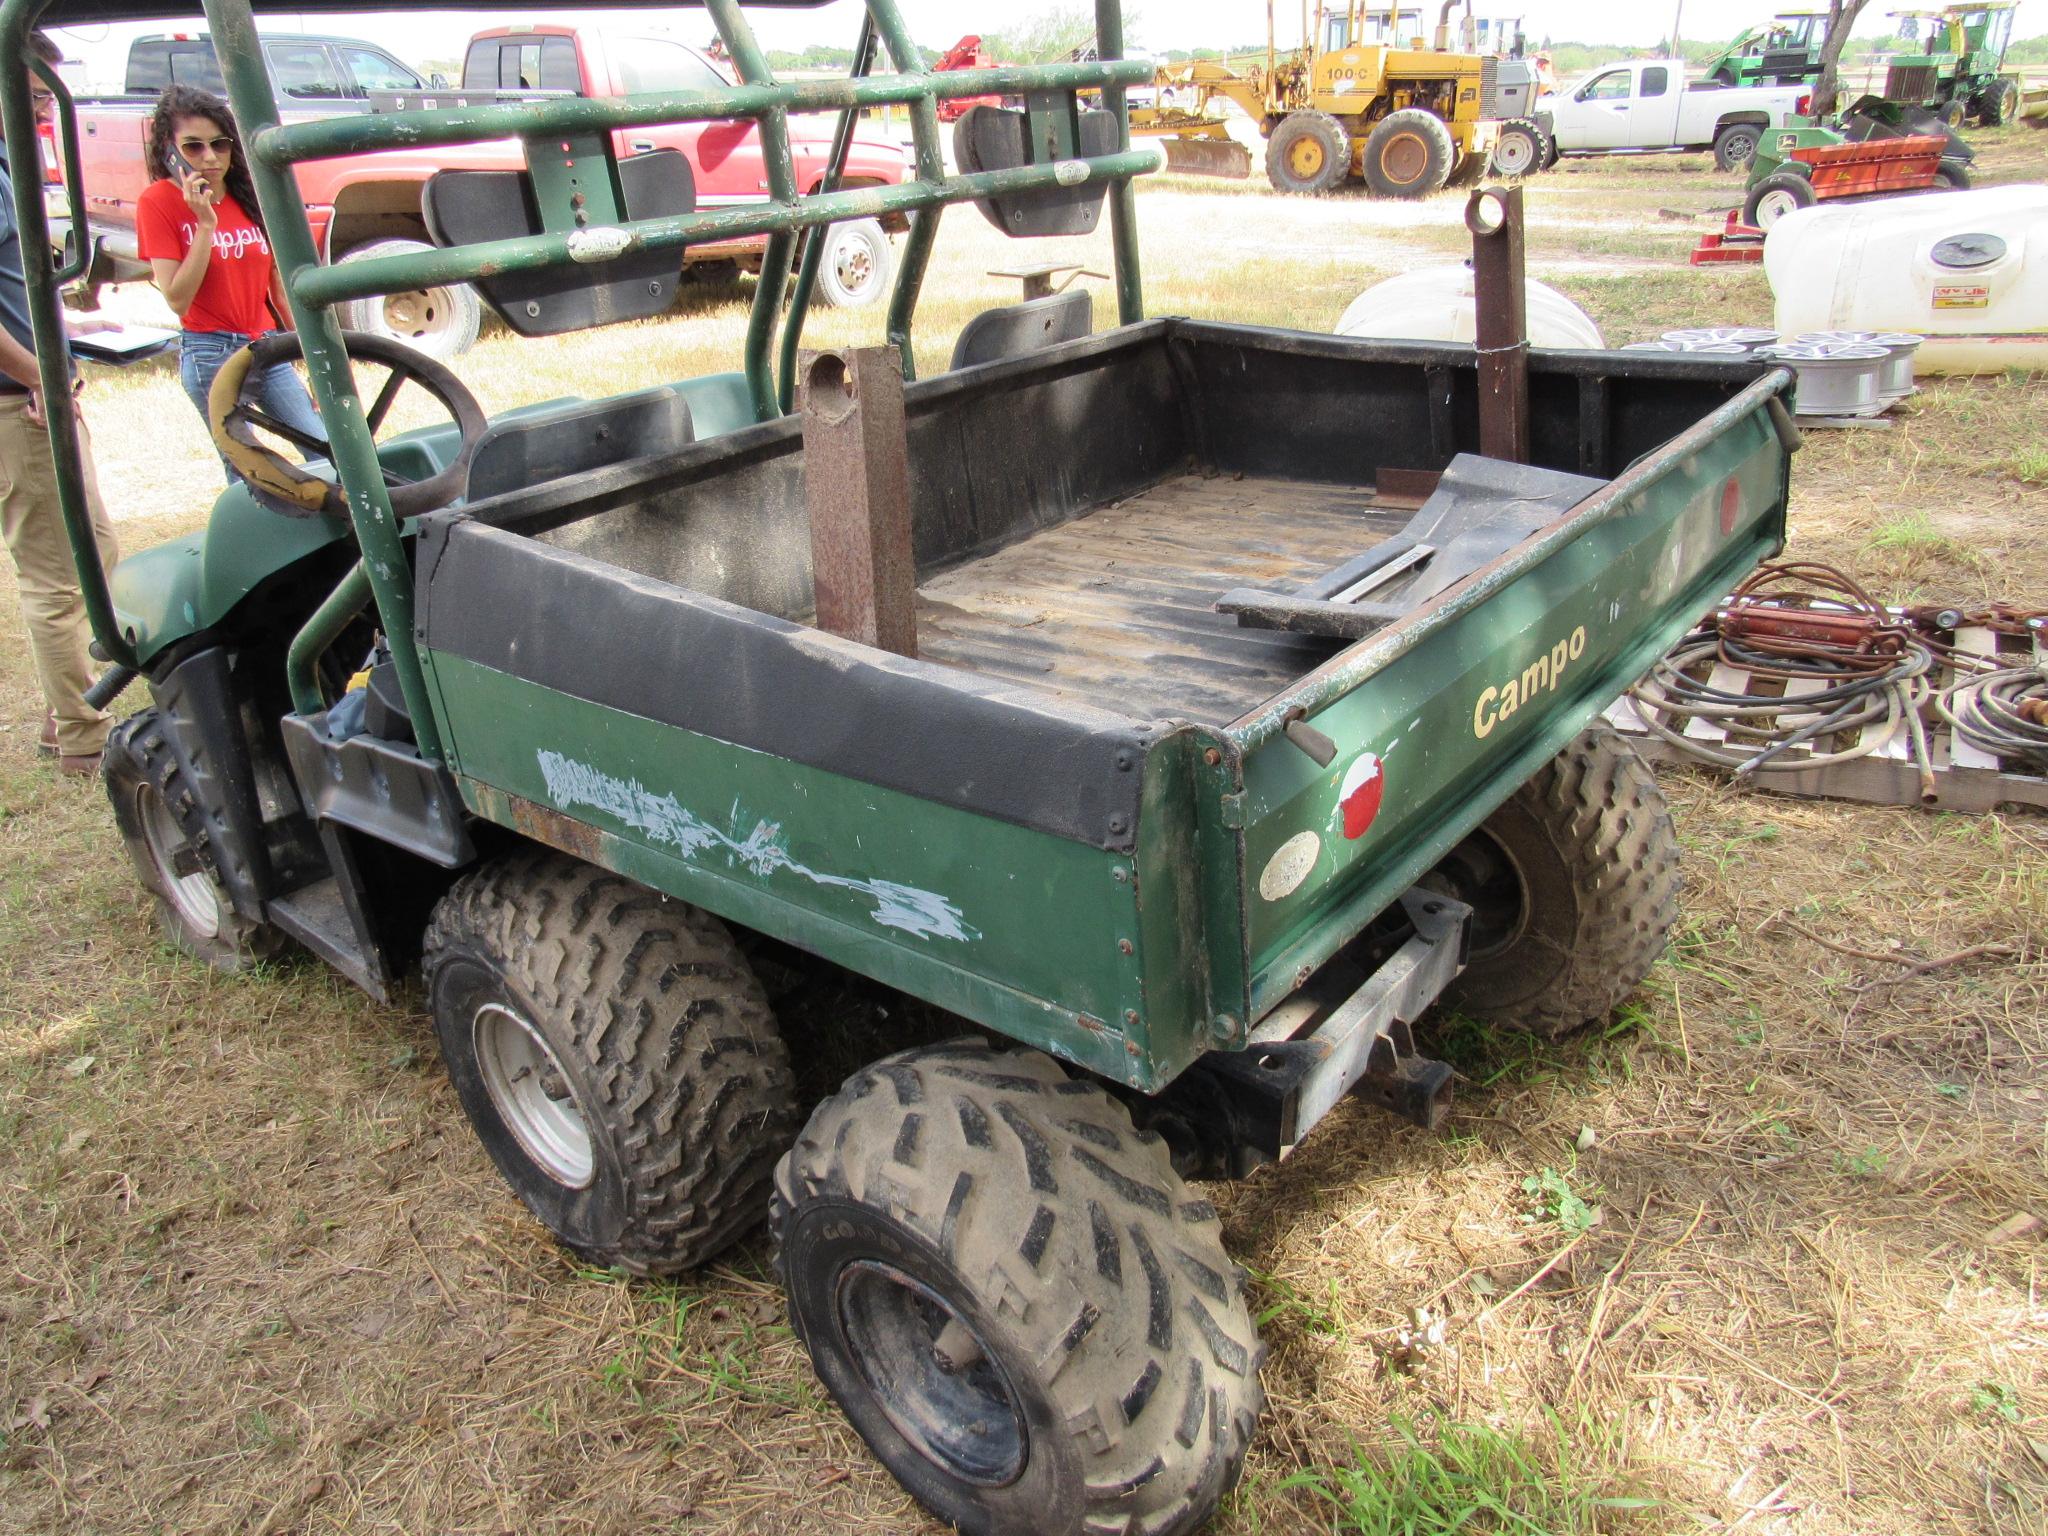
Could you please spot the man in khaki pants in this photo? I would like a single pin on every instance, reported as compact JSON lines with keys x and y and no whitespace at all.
{"x":33,"y":524}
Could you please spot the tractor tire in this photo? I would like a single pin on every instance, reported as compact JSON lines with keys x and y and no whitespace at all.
{"x":1574,"y":884}
{"x":1309,"y":154}
{"x":441,"y":321}
{"x":1467,"y":172}
{"x":1998,"y":104}
{"x":1523,"y":149}
{"x":616,"y":1056}
{"x":1735,"y":146}
{"x":1953,"y":112}
{"x":1951,"y":176}
{"x":1778,"y":194}
{"x":1026,"y":1314}
{"x":1408,"y":154}
{"x":854,"y":272}
{"x":1724,"y":76}
{"x":165,"y":834}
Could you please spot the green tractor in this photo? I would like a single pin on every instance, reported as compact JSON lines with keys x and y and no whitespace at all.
{"x":1784,"y":52}
{"x":1957,"y":70}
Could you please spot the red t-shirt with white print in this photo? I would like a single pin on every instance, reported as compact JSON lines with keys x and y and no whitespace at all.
{"x":233,"y":295}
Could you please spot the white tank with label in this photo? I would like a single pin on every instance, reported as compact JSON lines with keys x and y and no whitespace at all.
{"x":1966,"y":270}
{"x":1437,"y":304}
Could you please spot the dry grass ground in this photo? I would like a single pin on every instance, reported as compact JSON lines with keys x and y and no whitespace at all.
{"x":1734,"y":1263}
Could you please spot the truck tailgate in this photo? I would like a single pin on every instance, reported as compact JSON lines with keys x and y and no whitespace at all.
{"x":1440,"y":717}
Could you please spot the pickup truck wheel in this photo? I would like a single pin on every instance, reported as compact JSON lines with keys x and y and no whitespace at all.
{"x":1574,"y":885}
{"x":615,"y":1054}
{"x":1735,"y":146}
{"x":165,"y":835}
{"x":441,"y":321}
{"x":1309,"y":154}
{"x":1522,"y":149}
{"x":1408,"y":154}
{"x":1021,"y":1307}
{"x":854,"y":272}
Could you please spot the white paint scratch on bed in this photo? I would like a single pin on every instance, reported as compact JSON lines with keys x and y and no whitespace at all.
{"x":570,"y":783}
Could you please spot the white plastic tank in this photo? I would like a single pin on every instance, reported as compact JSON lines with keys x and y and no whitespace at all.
{"x":1966,"y":270}
{"x":1437,"y":304}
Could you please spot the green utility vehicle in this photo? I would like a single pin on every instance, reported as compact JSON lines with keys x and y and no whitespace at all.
{"x":1187,"y":707}
{"x":1786,"y":51}
{"x":1957,"y":70}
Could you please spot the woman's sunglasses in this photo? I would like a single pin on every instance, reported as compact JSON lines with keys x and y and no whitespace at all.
{"x":190,"y":147}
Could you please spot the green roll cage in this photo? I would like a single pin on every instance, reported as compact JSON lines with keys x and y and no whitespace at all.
{"x":775,"y":326}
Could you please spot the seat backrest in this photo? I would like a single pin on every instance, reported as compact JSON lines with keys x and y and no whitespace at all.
{"x":529,"y":450}
{"x":1028,"y":327}
{"x":470,"y":207}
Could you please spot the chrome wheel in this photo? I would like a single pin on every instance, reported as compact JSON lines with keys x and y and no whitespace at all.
{"x":532,"y":1095}
{"x":186,"y":883}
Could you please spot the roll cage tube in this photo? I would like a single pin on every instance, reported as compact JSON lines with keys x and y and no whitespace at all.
{"x":314,"y":289}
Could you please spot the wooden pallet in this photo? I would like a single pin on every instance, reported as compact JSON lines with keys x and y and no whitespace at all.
{"x":1965,"y":778}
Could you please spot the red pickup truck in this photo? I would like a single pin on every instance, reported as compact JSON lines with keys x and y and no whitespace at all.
{"x":365,"y":204}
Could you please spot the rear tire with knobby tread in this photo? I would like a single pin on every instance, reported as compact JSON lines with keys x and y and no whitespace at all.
{"x":1093,"y":1282}
{"x":1595,"y":860}
{"x":1390,"y":164}
{"x":662,"y":1034}
{"x":1523,"y":149}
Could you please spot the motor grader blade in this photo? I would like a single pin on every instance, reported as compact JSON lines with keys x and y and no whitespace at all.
{"x":1208,"y":157}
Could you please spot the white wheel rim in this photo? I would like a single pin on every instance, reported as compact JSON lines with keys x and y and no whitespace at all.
{"x":1514,"y":155}
{"x":422,"y":314}
{"x":1773,"y":206}
{"x":532,"y":1095}
{"x":853,"y":263}
{"x":194,"y":896}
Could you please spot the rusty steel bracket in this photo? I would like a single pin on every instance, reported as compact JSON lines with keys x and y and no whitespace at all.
{"x":857,"y":486}
{"x":1494,"y":215}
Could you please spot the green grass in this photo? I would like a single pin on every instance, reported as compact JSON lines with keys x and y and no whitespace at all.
{"x":1470,"y":1479}
{"x":2030,"y":465}
{"x":1913,"y":532}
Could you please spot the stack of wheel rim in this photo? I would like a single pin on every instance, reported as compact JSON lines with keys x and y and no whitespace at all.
{"x":1836,"y":378}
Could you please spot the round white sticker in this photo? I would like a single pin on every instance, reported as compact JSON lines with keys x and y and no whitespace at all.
{"x":1289,"y":866}
{"x":1070,"y":173}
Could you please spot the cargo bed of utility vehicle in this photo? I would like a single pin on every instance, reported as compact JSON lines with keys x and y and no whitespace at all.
{"x":1079,"y":714}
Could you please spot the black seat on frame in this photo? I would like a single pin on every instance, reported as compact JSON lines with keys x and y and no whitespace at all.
{"x":1030,"y":326}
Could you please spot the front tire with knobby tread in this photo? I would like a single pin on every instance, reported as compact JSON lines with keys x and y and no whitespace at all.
{"x":1592,"y":867}
{"x":157,"y":811}
{"x":1029,"y":1217}
{"x":1309,"y":154}
{"x":662,"y":1039}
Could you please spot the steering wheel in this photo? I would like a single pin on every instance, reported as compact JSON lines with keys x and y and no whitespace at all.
{"x":234,"y":415}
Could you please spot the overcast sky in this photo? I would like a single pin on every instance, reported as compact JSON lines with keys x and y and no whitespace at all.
{"x":1156,"y":24}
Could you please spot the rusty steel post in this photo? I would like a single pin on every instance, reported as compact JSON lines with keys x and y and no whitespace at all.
{"x":1494,"y":215}
{"x":857,"y":486}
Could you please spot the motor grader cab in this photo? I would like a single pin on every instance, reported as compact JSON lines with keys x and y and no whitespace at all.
{"x":1404,"y":117}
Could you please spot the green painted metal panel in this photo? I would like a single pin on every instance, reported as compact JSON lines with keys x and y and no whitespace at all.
{"x":1430,"y":743}
{"x":1011,"y":927}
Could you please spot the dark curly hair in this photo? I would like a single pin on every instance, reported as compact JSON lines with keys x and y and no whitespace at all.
{"x":182,"y":101}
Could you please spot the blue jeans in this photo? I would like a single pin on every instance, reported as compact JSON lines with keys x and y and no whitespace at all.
{"x":278,"y":390}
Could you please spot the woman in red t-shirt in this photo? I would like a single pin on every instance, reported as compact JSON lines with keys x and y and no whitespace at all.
{"x":198,"y":226}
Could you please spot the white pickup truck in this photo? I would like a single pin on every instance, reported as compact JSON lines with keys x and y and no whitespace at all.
{"x":1646,"y":106}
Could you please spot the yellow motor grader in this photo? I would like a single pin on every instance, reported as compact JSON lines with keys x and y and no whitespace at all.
{"x":1365,"y":96}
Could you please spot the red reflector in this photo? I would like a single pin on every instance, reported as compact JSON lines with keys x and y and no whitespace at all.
{"x":1731,"y":506}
